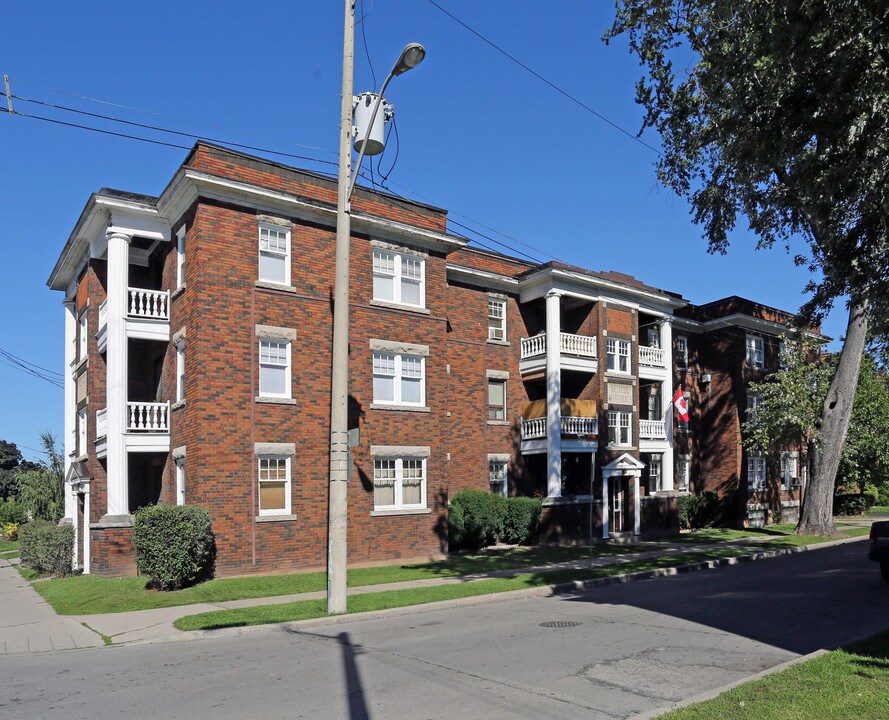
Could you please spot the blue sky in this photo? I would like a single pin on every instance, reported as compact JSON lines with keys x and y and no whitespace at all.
{"x":479,"y":135}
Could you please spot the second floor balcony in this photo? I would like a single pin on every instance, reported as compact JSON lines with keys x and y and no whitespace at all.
{"x":652,"y":430}
{"x":578,"y":422}
{"x":576,"y":352}
{"x":147,"y":316}
{"x":147,"y":428}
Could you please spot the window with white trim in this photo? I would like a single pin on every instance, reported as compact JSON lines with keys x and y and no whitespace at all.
{"x":617,"y":353}
{"x":399,"y":379}
{"x":497,"y":476}
{"x":82,"y":327}
{"x":682,"y":352}
{"x":789,"y":469}
{"x":653,"y":337}
{"x":496,"y":319}
{"x":496,"y":399}
{"x":399,"y":278}
{"x":274,"y":254}
{"x":683,"y":472}
{"x":180,"y":256}
{"x":756,"y":471}
{"x":274,"y":368}
{"x":180,"y":371}
{"x":399,"y":483}
{"x":619,"y":431}
{"x":655,"y":473}
{"x":81,"y":431}
{"x":274,"y":484}
{"x":755,"y":356}
{"x":180,"y":481}
{"x":753,"y":403}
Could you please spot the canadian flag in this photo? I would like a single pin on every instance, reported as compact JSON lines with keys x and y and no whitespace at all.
{"x":680,"y":405}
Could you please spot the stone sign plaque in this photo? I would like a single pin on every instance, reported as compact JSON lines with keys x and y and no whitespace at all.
{"x":619,"y":394}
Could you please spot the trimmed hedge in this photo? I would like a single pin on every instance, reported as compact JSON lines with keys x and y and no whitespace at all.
{"x":521,"y":520}
{"x":698,"y":511}
{"x":852,"y":503}
{"x":174,"y":545}
{"x":477,"y":519}
{"x":47,"y":547}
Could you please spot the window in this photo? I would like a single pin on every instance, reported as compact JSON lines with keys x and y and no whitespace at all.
{"x":274,"y":254}
{"x":654,"y":403}
{"x":398,"y":278}
{"x":180,"y":257}
{"x":753,"y":403}
{"x":399,"y":379}
{"x":681,"y":352}
{"x":497,"y":476}
{"x":789,"y":471}
{"x":786,"y":348}
{"x":180,"y":372}
{"x":82,"y":336}
{"x":496,"y":319}
{"x":683,"y":472}
{"x":496,"y":399}
{"x":654,"y":473}
{"x":618,"y":355}
{"x":756,"y":471}
{"x":81,"y":431}
{"x":180,"y":481}
{"x":755,"y":358}
{"x":274,"y":485}
{"x":274,"y":368}
{"x":619,"y":428}
{"x":653,"y":337}
{"x":399,"y":483}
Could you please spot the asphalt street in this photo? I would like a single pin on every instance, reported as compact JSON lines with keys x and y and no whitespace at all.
{"x":612,"y":652}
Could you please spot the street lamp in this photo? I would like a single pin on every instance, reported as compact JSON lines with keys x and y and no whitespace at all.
{"x":410,"y":57}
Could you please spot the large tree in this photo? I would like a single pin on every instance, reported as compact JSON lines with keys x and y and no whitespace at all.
{"x":779,"y":111}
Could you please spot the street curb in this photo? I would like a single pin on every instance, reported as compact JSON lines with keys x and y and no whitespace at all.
{"x":543,"y":591}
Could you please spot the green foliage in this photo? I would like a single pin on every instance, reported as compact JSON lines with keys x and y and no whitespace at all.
{"x":10,"y":455}
{"x":883,"y":494}
{"x":698,"y":511}
{"x":9,"y":483}
{"x":482,"y":519}
{"x":520,"y":520}
{"x":865,"y":458}
{"x":9,"y":531}
{"x":174,"y":545}
{"x":47,"y":547}
{"x":852,"y":503}
{"x":41,"y":488}
{"x":11,"y":512}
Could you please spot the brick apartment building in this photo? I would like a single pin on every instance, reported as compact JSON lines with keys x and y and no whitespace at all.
{"x":197,"y":350}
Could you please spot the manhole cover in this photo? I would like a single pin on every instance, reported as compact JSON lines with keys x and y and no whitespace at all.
{"x":560,"y":623}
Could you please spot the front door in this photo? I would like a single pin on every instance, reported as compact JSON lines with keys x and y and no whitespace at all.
{"x":618,"y":497}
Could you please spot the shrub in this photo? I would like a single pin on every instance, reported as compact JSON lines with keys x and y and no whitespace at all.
{"x":483,"y":515}
{"x":698,"y":511}
{"x":47,"y":547}
{"x":11,"y":512}
{"x":883,"y":493}
{"x":9,"y":531}
{"x":520,"y":520}
{"x":41,"y":495}
{"x":174,"y":545}
{"x":456,"y":526}
{"x":852,"y":503}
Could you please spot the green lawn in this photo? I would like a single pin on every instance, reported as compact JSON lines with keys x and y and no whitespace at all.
{"x":781,"y":535}
{"x":879,"y":510}
{"x":8,"y":546}
{"x":849,"y":684}
{"x":307,"y":609}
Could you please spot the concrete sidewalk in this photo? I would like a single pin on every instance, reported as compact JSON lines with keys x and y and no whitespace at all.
{"x":29,"y":625}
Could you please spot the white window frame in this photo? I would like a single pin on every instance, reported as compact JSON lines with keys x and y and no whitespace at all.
{"x":755,"y":351}
{"x":398,"y":275}
{"x":399,"y":480}
{"x":756,"y":471}
{"x":498,"y":471}
{"x":682,"y":352}
{"x":286,"y":255}
{"x":180,"y":371}
{"x":398,"y":377}
{"x":489,"y":407}
{"x":288,"y":384}
{"x":287,"y":484}
{"x":81,"y":431}
{"x":82,"y":335}
{"x":753,"y":402}
{"x":790,"y":470}
{"x":620,"y":428}
{"x":655,"y":472}
{"x":683,"y":472}
{"x":615,"y":351}
{"x":653,"y":337}
{"x":180,"y":257}
{"x":497,"y":322}
{"x":180,"y":481}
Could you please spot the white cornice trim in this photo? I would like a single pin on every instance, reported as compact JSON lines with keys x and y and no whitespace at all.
{"x":481,"y":278}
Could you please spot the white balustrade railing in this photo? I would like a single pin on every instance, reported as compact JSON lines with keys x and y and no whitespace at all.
{"x":582,"y":345}
{"x":652,"y":357}
{"x":653,"y":429}
{"x":148,"y":417}
{"x":534,"y":346}
{"x":533,"y":428}
{"x":103,"y":312}
{"x":152,"y":304}
{"x":536,"y":427}
{"x":102,"y":423}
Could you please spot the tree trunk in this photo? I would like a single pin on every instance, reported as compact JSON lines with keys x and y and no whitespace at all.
{"x":816,"y":514}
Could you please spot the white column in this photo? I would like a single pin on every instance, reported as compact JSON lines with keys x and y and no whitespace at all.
{"x":553,"y":396}
{"x":606,"y":506}
{"x":637,"y":507}
{"x":70,"y":439}
{"x":116,"y":372}
{"x":69,"y":490}
{"x":667,"y":390}
{"x":85,"y":487}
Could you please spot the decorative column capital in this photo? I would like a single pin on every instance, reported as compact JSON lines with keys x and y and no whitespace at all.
{"x":666,"y":320}
{"x":115,"y":234}
{"x":69,"y":304}
{"x":553,"y":294}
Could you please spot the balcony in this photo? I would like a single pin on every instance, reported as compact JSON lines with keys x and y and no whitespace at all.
{"x":151,"y":304}
{"x":148,"y":417}
{"x":577,"y":352}
{"x":147,"y":318}
{"x":653,"y":362}
{"x":579,"y":424}
{"x":652,"y":430}
{"x":148,"y":428}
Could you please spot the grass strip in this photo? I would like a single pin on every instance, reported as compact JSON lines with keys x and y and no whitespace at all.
{"x":307,"y":609}
{"x":847,"y":684}
{"x":8,"y":545}
{"x":781,"y":535}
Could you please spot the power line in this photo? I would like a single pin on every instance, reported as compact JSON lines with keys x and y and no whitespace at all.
{"x":540,"y":77}
{"x":17,"y":363}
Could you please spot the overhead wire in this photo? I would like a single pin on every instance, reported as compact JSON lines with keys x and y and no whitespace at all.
{"x":18,"y":363}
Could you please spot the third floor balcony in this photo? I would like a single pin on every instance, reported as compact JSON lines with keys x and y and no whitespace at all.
{"x":576,"y":352}
{"x":147,"y":316}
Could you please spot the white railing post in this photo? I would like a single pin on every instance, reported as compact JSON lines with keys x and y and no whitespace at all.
{"x":149,"y":417}
{"x":152,"y":304}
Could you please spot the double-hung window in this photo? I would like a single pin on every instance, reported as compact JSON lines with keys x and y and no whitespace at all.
{"x":789,"y":472}
{"x":682,"y":352}
{"x":496,"y":319}
{"x":81,"y":431}
{"x":180,"y":257}
{"x":180,"y":372}
{"x":756,"y":471}
{"x":274,"y":485}
{"x":618,"y":355}
{"x":274,"y":368}
{"x":274,"y":254}
{"x":497,"y":476}
{"x":399,"y":483}
{"x":399,"y":278}
{"x":496,"y":399}
{"x":619,"y":432}
{"x":755,"y":357}
{"x":683,"y":472}
{"x":654,"y":473}
{"x":82,"y":336}
{"x":399,"y":379}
